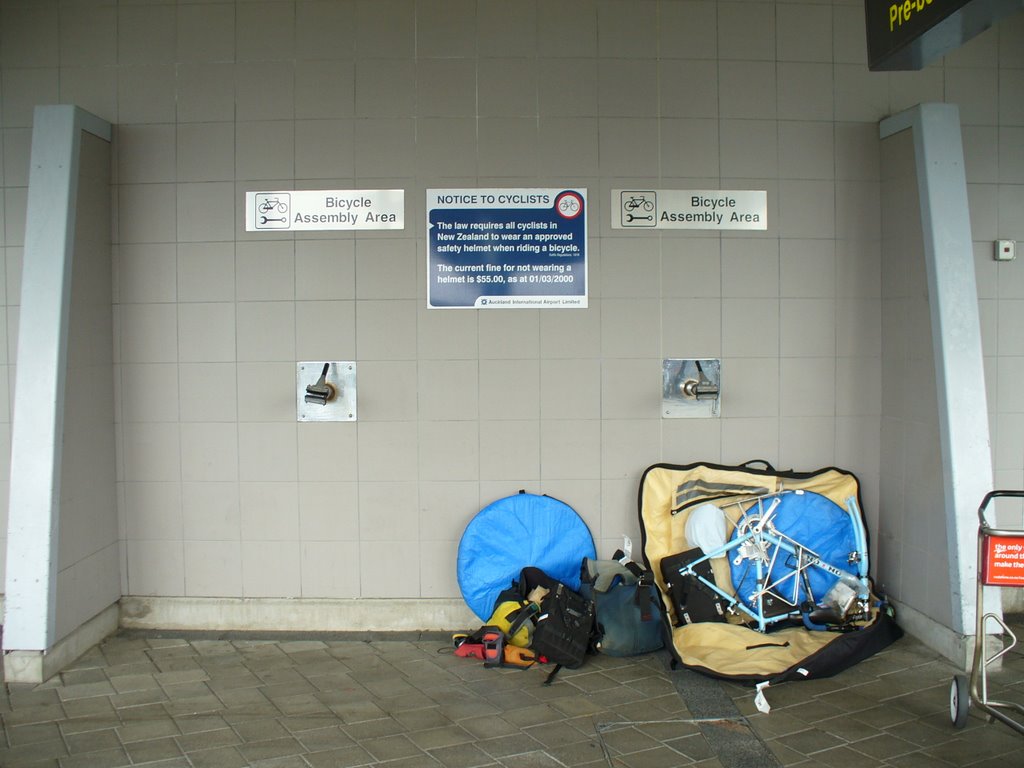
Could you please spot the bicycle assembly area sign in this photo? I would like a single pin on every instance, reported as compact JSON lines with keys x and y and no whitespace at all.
{"x":689,"y":209}
{"x":506,"y":248}
{"x":324,"y":210}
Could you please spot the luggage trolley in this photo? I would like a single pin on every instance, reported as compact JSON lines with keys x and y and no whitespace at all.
{"x":1000,"y":564}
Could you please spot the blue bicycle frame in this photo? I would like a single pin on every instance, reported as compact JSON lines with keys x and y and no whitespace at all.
{"x":754,"y":542}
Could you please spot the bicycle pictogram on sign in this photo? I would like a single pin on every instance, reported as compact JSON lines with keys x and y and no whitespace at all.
{"x":639,"y":208}
{"x":569,"y":205}
{"x":272,"y":210}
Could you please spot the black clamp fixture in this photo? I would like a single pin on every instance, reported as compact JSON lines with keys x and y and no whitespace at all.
{"x":701,"y":388}
{"x":321,"y":392}
{"x":691,"y":388}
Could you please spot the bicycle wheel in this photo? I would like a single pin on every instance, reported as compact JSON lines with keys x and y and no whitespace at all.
{"x":959,"y":700}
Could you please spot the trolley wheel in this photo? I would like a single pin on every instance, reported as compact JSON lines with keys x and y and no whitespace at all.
{"x":959,"y":700}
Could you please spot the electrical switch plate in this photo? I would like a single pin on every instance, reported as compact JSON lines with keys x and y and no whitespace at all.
{"x":1006,"y":250}
{"x":342,"y":378}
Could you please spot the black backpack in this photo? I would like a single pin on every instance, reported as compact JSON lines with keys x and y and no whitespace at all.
{"x":564,"y":627}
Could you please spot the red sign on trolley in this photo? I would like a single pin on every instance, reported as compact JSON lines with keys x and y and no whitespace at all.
{"x":1003,"y":561}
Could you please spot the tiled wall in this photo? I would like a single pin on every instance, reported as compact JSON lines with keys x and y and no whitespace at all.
{"x":223,"y":493}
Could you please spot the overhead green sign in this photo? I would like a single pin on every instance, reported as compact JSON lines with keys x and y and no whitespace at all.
{"x":910,"y":34}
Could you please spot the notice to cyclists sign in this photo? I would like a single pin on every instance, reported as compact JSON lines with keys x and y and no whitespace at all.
{"x":506,"y":248}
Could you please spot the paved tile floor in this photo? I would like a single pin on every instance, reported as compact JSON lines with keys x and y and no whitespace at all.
{"x":199,"y":701}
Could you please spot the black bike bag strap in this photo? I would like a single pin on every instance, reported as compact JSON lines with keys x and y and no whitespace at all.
{"x":636,"y":570}
{"x":645,"y":601}
{"x":517,"y":619}
{"x":551,"y":675}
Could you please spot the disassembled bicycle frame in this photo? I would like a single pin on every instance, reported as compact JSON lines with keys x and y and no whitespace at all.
{"x":755,"y":537}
